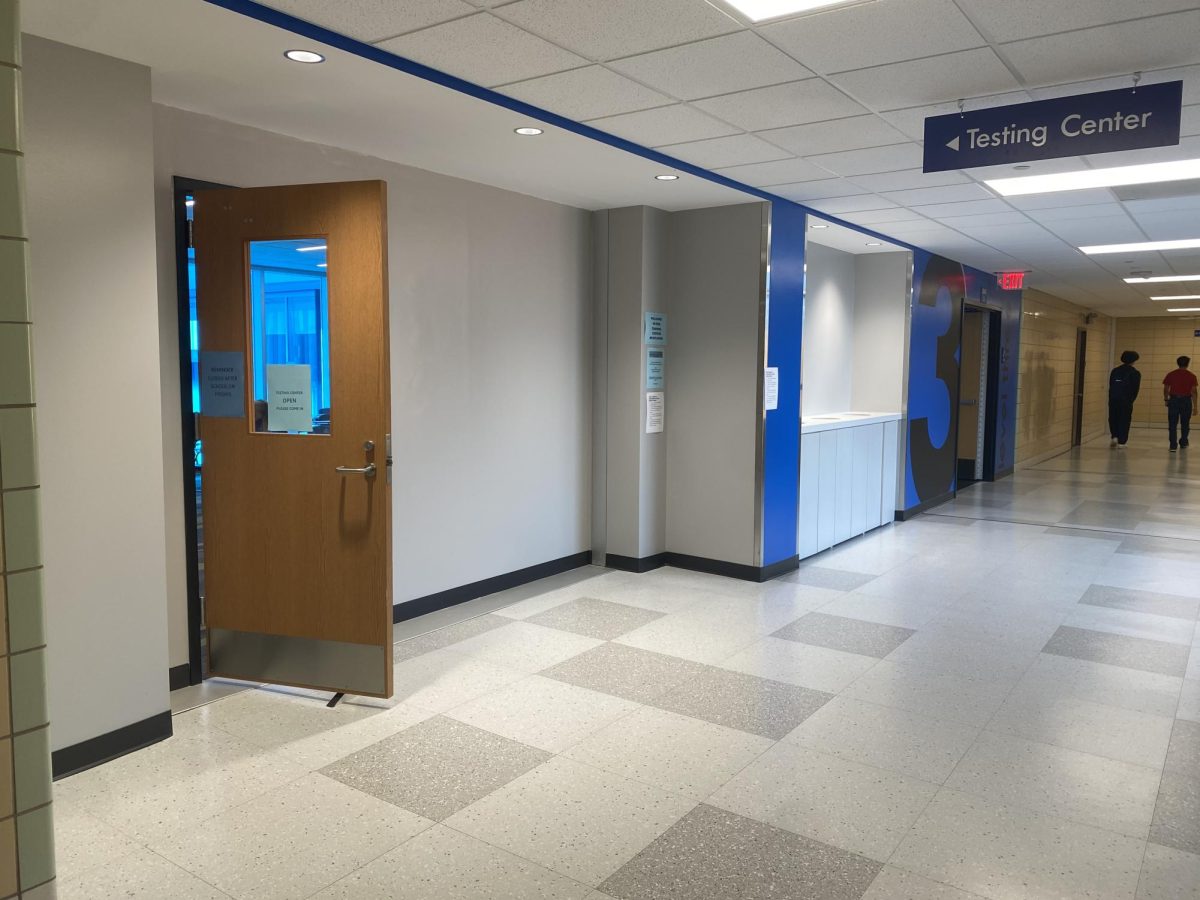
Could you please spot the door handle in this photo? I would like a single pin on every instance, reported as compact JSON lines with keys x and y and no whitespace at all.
{"x":367,"y":470}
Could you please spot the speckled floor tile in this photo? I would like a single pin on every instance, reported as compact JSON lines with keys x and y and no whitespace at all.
{"x":1183,"y":753}
{"x":137,"y":874}
{"x":1131,"y":624}
{"x":1119,"y":650}
{"x":1142,"y":601}
{"x":524,"y":647}
{"x":1062,"y":676}
{"x":855,"y":807}
{"x":813,"y":667}
{"x":443,"y":864}
{"x":544,"y":713}
{"x":847,"y":635}
{"x":712,"y":853}
{"x":837,"y":579}
{"x":904,"y":612}
{"x":1092,"y":790}
{"x":445,"y":637}
{"x":443,"y":679}
{"x":601,"y":619}
{"x":629,"y":672}
{"x":291,"y":842}
{"x":1189,"y":700}
{"x":1002,"y":852}
{"x":673,"y":752}
{"x":1177,"y":812}
{"x":1169,"y":874}
{"x":437,"y":767}
{"x":82,"y":842}
{"x":904,"y":742}
{"x":939,"y":695}
{"x":574,"y":819}
{"x":896,"y":884}
{"x":745,"y":702}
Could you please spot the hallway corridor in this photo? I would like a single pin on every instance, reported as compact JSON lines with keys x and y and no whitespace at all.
{"x":1000,"y":700}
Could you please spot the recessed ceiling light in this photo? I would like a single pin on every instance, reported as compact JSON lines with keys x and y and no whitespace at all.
{"x":1179,"y":297}
{"x":666,"y":177}
{"x":760,"y":10}
{"x":818,"y":226}
{"x":1159,"y":279}
{"x":310,"y":248}
{"x":304,"y":56}
{"x":527,"y":131}
{"x":874,"y":244}
{"x":1185,"y":309}
{"x":1148,"y":173}
{"x":1189,"y":244}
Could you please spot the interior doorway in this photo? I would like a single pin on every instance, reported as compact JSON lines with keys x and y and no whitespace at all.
{"x":1080,"y":382}
{"x":979,"y":372}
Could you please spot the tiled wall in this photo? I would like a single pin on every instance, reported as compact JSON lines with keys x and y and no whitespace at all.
{"x":1159,"y":340}
{"x":1046,"y":388}
{"x":26,"y":832}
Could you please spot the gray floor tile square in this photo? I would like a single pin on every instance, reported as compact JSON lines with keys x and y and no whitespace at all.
{"x":1183,"y":753}
{"x":444,"y":637}
{"x":847,"y":635}
{"x":711,"y":853}
{"x":1103,"y":512}
{"x":746,"y":702}
{"x":437,"y":767}
{"x":638,"y":675}
{"x":601,"y":619}
{"x":1177,"y":812}
{"x":1141,"y":601}
{"x":824,"y":577}
{"x":1168,"y":874}
{"x":1118,"y":650}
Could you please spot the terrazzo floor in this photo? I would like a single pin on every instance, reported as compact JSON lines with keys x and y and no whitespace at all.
{"x":998,"y":700}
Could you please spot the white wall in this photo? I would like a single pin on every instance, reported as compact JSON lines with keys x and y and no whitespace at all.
{"x":89,"y":165}
{"x":882,"y":296}
{"x":490,"y":344}
{"x":828,"y":341}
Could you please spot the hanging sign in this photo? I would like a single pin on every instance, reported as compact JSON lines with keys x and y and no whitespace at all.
{"x":656,"y":368}
{"x":221,"y":388}
{"x":655,"y":329}
{"x":1103,"y":122}
{"x":289,"y":398}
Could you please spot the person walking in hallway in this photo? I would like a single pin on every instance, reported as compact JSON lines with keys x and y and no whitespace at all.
{"x":1124,"y":382}
{"x":1179,"y":393}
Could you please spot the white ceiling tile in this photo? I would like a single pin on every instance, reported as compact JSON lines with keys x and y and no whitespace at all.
{"x":668,"y":125}
{"x":1109,"y":50}
{"x":908,"y":179}
{"x":807,"y":191}
{"x":1164,"y":205}
{"x":919,"y":233}
{"x":1029,"y":234}
{"x":1063,"y":198}
{"x":1112,"y":230}
{"x":1010,"y":217}
{"x":937,"y":79}
{"x":912,"y":120}
{"x":838,"y":205}
{"x":870,"y":160}
{"x":1058,"y":214}
{"x":782,"y":171}
{"x":1169,"y":226}
{"x":797,"y":103}
{"x":1036,"y":167}
{"x":738,"y":149}
{"x":954,"y":193}
{"x":484,"y":50}
{"x":373,"y":20}
{"x":1187,"y":148}
{"x":885,"y":216}
{"x":874,"y":33}
{"x":1015,"y":19}
{"x":586,"y":93}
{"x":1189,"y":120}
{"x":830,"y":137}
{"x":615,"y":28}
{"x":966,"y":208}
{"x":720,"y":65}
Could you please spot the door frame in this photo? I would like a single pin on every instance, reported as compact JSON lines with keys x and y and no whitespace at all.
{"x":991,"y":406}
{"x":181,"y":187}
{"x":1079,"y":385}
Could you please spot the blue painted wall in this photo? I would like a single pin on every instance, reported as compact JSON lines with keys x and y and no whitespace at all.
{"x":781,"y":436}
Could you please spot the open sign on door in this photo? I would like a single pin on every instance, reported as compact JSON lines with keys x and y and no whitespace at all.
{"x":289,"y":398}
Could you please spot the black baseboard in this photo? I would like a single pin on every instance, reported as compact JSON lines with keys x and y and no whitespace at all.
{"x":635,"y":564}
{"x":410,"y":609}
{"x":903,"y":515}
{"x":97,"y":750}
{"x":732,"y":570}
{"x":179,"y":676}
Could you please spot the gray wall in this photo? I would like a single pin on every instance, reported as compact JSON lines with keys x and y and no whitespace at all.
{"x":91,"y":223}
{"x":881,"y":308}
{"x":828,"y":352}
{"x":713,"y":370}
{"x":490,"y":343}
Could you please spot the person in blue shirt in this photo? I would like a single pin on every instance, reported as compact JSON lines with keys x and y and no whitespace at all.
{"x":1123,"y":384}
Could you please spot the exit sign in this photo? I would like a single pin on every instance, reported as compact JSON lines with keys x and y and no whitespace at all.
{"x":1012,"y":281}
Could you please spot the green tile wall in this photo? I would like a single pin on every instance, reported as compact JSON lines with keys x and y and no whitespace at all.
{"x":26,"y":817}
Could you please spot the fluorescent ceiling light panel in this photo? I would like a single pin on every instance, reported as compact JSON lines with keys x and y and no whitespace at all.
{"x":1179,"y":297}
{"x":1142,"y":246}
{"x":1149,"y":173}
{"x":761,"y":10}
{"x":1160,"y":279}
{"x":1186,"y":309}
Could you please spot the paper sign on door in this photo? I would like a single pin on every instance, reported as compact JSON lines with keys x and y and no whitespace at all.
{"x":289,"y":398}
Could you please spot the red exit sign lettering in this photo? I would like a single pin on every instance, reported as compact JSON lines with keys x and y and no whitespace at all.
{"x":1012,"y":281}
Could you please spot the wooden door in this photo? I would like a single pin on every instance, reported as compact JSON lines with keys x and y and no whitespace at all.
{"x":295,"y":413}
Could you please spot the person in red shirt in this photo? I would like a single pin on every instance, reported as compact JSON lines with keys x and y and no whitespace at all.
{"x":1179,"y":393}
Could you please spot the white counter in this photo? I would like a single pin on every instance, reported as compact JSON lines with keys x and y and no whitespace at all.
{"x":848,"y":466}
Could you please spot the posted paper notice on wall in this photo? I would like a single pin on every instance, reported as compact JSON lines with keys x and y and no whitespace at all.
{"x":222,"y":393}
{"x":289,"y":398}
{"x":656,"y":411}
{"x":771,"y":388}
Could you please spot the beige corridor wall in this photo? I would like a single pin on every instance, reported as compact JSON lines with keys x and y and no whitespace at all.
{"x":1046,"y":388}
{"x":1159,"y":340}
